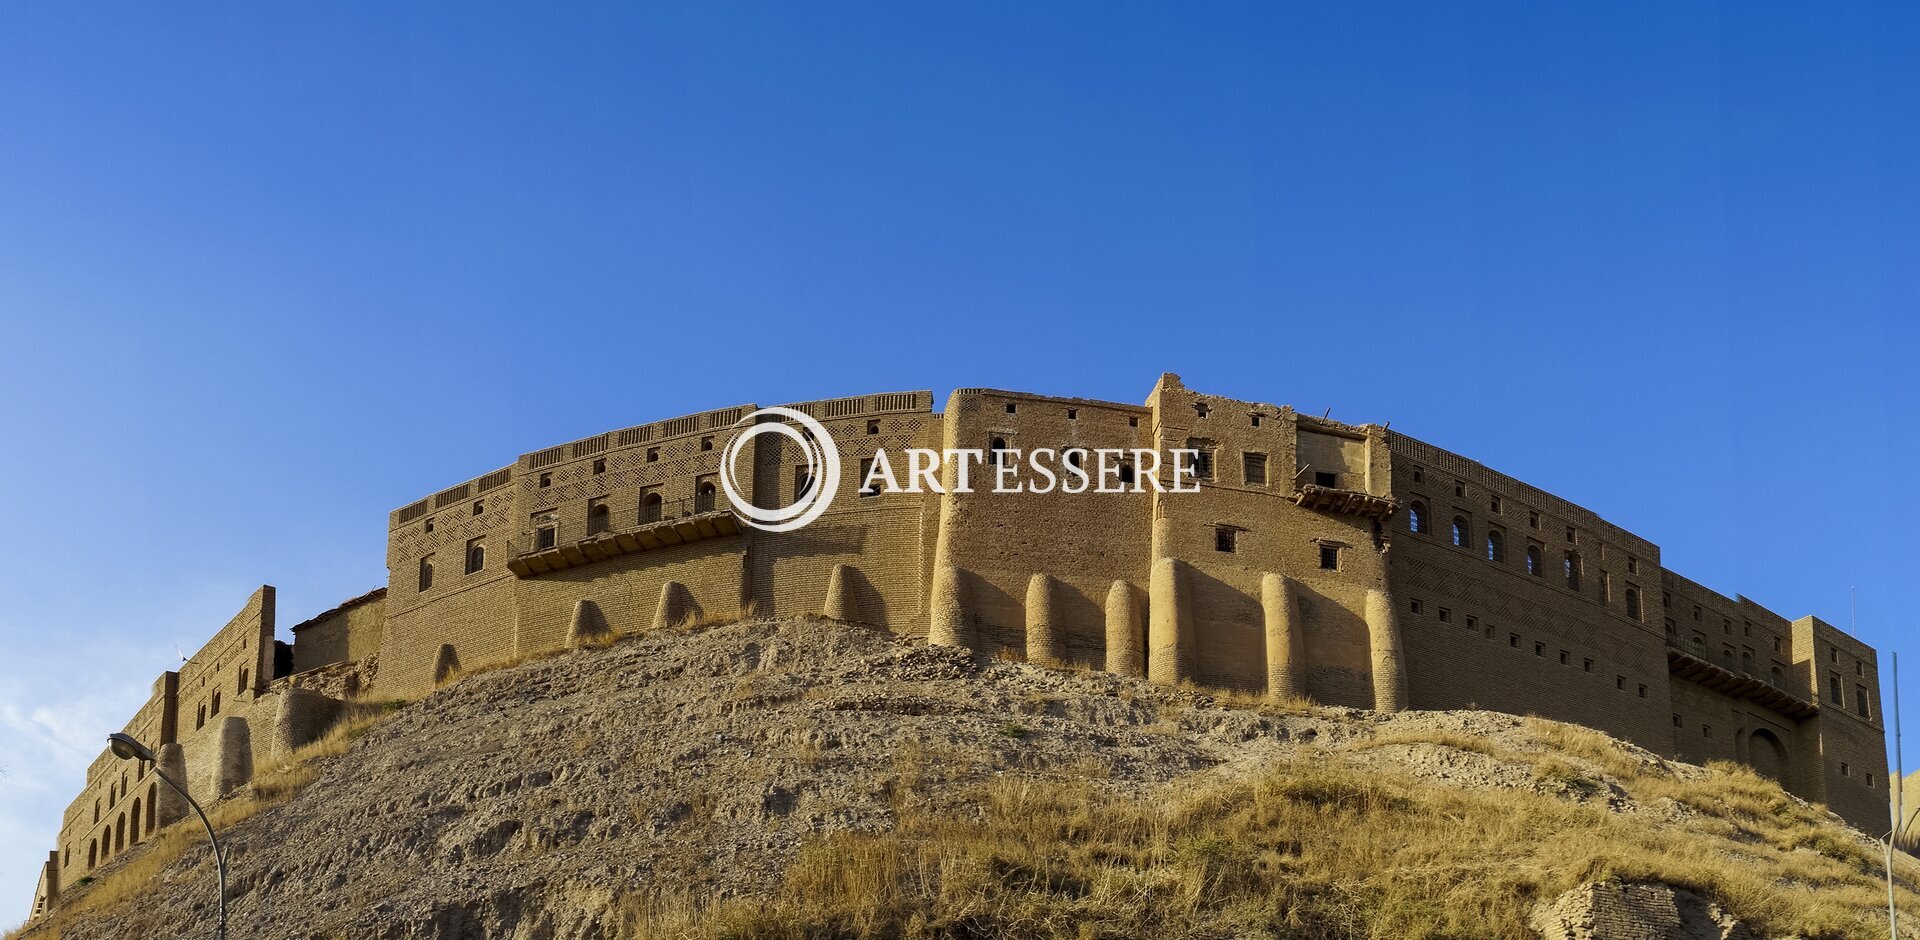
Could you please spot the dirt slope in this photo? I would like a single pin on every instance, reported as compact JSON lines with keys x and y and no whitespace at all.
{"x":558,"y":799}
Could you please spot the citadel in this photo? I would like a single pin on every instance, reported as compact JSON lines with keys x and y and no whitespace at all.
{"x":1346,"y":564}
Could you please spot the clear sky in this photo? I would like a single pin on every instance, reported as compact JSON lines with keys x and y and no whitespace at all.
{"x":269,"y":273}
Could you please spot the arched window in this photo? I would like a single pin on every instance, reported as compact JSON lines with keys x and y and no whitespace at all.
{"x":1572,"y":565}
{"x":120,"y":834}
{"x":426,"y":572}
{"x":1417,"y":517}
{"x":1779,"y":678}
{"x":241,"y":686}
{"x":1460,"y":534}
{"x":1533,"y":560}
{"x":1633,"y":603}
{"x":703,"y":497}
{"x":476,"y":556}
{"x":650,"y":507}
{"x":136,"y":820}
{"x":996,"y":450}
{"x":93,"y":852}
{"x":1496,"y":545}
{"x":599,"y":519}
{"x":153,"y":810}
{"x":215,"y":710}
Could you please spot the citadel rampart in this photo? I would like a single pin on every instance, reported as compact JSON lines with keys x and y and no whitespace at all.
{"x":1347,"y":564}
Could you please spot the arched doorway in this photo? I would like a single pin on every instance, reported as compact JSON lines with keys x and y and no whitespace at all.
{"x":1767,"y":754}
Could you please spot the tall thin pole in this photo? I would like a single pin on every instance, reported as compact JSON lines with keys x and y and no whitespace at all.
{"x":220,"y":858}
{"x":1899,"y":799}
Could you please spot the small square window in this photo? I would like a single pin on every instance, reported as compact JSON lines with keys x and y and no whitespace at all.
{"x":1845,"y":771}
{"x":428,"y":526}
{"x":1416,"y":605}
{"x":1572,"y":536}
{"x":1446,"y":615}
{"x":1513,"y":640}
{"x":1133,"y":421}
{"x":1539,"y":649}
{"x":1620,"y":682}
{"x":1633,"y":565}
{"x":1223,"y":539}
{"x":1073,"y":414}
{"x":706,"y":443}
{"x":479,"y":507}
{"x":1473,"y":623}
{"x":1326,"y":479}
{"x":873,"y":427}
{"x":1566,"y":658}
{"x":600,"y":465}
{"x":1586,"y":665}
{"x":1329,"y":558}
{"x":546,"y":480}
{"x":653,"y":455}
{"x":1256,"y":421}
{"x":1200,"y":409}
{"x":1489,"y":631}
{"x":1253,"y":468}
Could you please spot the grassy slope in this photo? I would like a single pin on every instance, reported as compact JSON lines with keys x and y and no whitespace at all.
{"x":1318,"y":847}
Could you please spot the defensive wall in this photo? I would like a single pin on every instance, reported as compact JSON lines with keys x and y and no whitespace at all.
{"x":1347,"y":564}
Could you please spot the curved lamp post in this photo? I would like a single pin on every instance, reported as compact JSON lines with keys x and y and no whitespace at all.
{"x":126,"y":748}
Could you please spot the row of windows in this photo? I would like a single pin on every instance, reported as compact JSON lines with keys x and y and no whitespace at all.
{"x":1515,"y":641}
{"x":1495,"y":550}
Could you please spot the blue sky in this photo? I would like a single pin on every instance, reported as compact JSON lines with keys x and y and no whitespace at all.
{"x":268,"y":273}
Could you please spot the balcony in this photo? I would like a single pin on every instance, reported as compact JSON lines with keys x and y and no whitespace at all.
{"x":564,"y":545}
{"x":1725,"y":681}
{"x":1345,"y":502}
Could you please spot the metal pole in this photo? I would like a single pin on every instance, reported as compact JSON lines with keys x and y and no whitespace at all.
{"x":220,"y":858}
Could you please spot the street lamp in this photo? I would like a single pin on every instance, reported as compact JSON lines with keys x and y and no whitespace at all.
{"x":126,"y":748}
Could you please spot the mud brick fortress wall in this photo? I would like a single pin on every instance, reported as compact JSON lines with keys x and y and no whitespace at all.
{"x":1347,"y":564}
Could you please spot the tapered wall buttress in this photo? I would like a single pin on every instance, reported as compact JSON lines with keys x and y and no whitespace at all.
{"x":1389,"y":660}
{"x":841,"y":604}
{"x":949,"y":622}
{"x":1286,"y":638}
{"x":446,"y":665}
{"x":170,"y":807}
{"x":1045,"y":644}
{"x":299,"y":718}
{"x":233,"y":756}
{"x":1126,"y":644}
{"x":587,"y":623}
{"x":1170,"y":623}
{"x":676,"y":606}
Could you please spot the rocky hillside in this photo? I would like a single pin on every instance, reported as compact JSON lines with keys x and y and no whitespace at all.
{"x":805,"y":778}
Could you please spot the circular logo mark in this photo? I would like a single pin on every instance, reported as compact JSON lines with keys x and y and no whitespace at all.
{"x":823,"y":469}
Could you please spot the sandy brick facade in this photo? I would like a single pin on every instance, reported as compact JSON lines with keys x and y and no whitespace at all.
{"x":1348,"y":564}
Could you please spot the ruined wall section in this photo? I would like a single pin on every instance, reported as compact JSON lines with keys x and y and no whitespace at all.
{"x":348,"y":633}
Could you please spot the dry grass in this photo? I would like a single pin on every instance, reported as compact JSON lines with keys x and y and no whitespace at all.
{"x":1312,"y":850}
